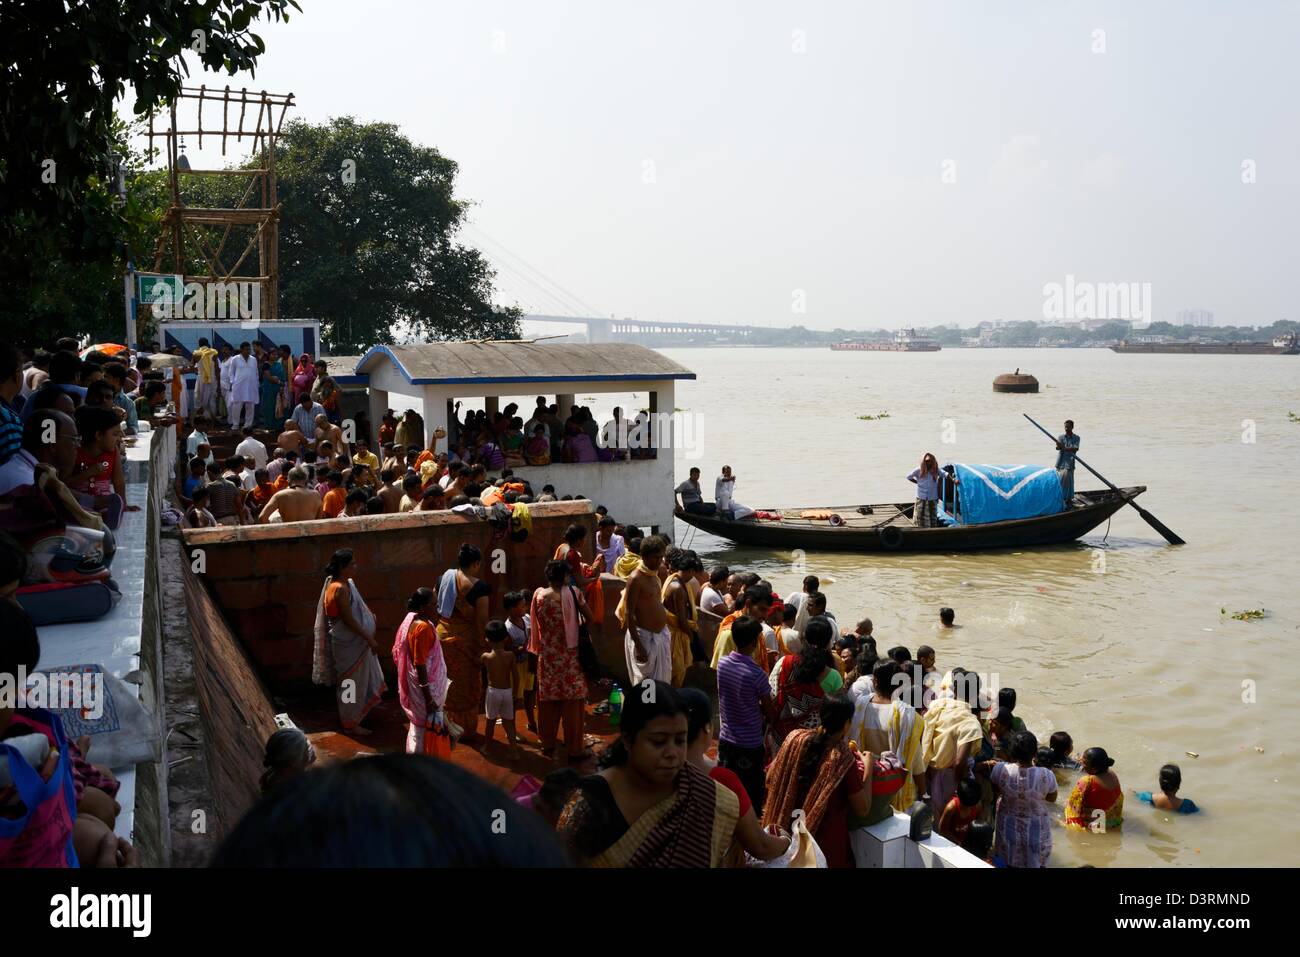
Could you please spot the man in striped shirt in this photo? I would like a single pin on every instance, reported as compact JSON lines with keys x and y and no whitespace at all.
{"x":743,"y":697}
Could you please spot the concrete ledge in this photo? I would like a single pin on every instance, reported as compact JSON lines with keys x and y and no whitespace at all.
{"x":887,"y":844}
{"x":276,"y":531}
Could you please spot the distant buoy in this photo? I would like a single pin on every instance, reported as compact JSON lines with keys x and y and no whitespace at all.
{"x":1015,"y":382}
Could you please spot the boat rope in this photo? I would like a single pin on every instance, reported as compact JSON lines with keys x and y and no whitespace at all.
{"x":1107,"y":535}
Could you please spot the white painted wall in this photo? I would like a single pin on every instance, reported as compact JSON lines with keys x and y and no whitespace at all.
{"x":637,"y":492}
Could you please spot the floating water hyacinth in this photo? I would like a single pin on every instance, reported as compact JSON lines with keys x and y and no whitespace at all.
{"x":873,"y":418}
{"x":1246,"y":615}
{"x":1293,"y":417}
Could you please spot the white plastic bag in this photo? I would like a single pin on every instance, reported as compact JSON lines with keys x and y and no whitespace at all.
{"x":802,"y":853}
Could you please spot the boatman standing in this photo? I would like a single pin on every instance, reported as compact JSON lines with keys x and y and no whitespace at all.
{"x":1067,"y":446}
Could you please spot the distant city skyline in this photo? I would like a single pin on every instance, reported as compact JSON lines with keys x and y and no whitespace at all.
{"x":839,"y":164}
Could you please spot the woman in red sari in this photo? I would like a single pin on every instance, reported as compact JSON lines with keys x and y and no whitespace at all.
{"x":820,"y":773}
{"x":1097,"y":801}
{"x":462,"y":616}
{"x":585,"y":577}
{"x":304,"y":375}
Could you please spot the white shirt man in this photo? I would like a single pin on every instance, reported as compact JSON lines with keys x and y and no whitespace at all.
{"x":711,"y":600}
{"x":252,"y":447}
{"x":244,"y":379}
{"x":194,"y":440}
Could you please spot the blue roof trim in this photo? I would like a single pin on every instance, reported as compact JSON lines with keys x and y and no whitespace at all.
{"x":362,"y":379}
{"x":384,"y":351}
{"x":468,"y":380}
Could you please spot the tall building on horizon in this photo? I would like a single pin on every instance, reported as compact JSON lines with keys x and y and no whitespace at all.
{"x":1194,"y":317}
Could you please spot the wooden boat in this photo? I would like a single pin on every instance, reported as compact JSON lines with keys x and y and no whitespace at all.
{"x":889,"y":528}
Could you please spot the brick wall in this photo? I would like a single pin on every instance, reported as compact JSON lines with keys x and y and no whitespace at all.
{"x":267,"y":579}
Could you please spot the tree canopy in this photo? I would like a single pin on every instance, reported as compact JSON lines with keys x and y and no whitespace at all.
{"x":368,"y":239}
{"x":65,"y":66}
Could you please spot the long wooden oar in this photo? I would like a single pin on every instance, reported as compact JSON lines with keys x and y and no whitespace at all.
{"x":1147,"y":517}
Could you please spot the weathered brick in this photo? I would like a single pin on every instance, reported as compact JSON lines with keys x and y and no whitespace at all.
{"x":295,"y":589}
{"x":241,"y":594}
{"x":219,"y":561}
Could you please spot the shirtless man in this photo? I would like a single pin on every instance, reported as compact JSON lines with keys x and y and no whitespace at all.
{"x":297,"y":503}
{"x":327,"y":431}
{"x":647,"y":644}
{"x":291,"y":440}
{"x":390,"y":493}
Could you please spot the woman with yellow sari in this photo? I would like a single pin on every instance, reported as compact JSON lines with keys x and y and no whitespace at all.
{"x":882,"y":722}
{"x":649,"y":806}
{"x":680,"y":608}
{"x":952,"y":735}
{"x":462,"y":617}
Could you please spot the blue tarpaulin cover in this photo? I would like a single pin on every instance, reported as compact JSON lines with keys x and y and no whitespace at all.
{"x":996,"y":493}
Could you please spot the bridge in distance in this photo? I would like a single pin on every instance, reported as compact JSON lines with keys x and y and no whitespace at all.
{"x":633,"y":330}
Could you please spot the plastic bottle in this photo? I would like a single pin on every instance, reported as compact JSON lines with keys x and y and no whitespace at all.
{"x":615,"y":706}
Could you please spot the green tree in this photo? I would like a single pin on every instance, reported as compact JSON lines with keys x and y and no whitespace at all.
{"x":368,"y":239}
{"x":62,"y":231}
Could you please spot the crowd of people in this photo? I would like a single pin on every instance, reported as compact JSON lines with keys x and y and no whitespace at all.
{"x":788,"y":721}
{"x":814,"y":724}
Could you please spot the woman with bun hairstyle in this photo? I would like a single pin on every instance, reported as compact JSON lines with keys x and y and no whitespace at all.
{"x":462,"y":617}
{"x":345,"y":652}
{"x":1097,"y":801}
{"x":422,"y":678}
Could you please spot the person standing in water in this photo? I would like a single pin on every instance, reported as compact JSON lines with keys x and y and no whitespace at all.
{"x":1067,"y":447}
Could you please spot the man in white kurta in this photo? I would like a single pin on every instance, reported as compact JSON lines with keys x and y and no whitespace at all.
{"x":244,"y":380}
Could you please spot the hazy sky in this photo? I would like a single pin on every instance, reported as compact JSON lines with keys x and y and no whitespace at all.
{"x":726,"y":161}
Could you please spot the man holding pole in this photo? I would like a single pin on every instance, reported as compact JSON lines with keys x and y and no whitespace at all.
{"x":1067,"y":446}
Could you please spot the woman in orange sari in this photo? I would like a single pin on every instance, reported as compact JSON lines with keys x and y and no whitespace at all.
{"x":344,"y":652}
{"x":462,"y":616}
{"x":1097,"y":801}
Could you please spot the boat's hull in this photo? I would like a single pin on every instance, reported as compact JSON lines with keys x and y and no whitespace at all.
{"x":1206,"y":348}
{"x":884,"y":347}
{"x":901,"y":536}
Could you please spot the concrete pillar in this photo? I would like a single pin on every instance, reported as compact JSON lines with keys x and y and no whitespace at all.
{"x":491,"y":405}
{"x":435,"y":413}
{"x":564,"y":402}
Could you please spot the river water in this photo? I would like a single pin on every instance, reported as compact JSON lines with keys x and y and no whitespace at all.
{"x":1119,"y":639}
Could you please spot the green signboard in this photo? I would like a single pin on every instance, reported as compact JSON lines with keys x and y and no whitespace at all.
{"x":151,"y":287}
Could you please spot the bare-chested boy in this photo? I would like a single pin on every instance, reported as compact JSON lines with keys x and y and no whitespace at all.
{"x":297,"y":503}
{"x":500,"y":704}
{"x":390,"y":493}
{"x":647,"y":644}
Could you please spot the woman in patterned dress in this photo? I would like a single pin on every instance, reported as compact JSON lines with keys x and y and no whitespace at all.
{"x":1023,"y":827}
{"x":553,"y":637}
